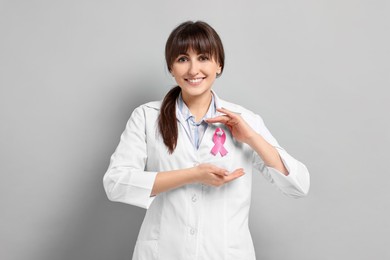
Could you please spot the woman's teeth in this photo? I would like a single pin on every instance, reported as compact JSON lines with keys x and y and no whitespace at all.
{"x":195,"y":80}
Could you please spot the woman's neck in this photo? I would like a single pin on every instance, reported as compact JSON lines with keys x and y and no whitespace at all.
{"x":198,"y":105}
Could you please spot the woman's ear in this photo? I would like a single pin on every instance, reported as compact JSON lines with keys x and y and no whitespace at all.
{"x":219,"y":70}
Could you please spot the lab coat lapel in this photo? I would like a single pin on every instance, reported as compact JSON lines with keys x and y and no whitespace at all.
{"x":207,"y":143}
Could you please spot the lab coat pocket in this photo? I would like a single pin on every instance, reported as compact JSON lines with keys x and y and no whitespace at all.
{"x":146,"y":250}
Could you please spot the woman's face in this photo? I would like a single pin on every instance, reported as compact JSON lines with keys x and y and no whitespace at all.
{"x":195,"y":73}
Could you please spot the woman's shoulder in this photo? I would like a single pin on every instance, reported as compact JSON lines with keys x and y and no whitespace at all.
{"x":152,"y":105}
{"x":148,"y":107}
{"x":147,"y":110}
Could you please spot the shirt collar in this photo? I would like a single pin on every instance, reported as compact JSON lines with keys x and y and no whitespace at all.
{"x":183,"y":112}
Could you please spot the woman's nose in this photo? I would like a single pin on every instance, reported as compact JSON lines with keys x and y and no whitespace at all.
{"x":193,"y":69}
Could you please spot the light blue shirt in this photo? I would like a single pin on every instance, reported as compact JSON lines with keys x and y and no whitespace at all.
{"x":194,"y":130}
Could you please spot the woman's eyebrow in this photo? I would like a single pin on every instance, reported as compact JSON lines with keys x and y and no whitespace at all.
{"x":197,"y":54}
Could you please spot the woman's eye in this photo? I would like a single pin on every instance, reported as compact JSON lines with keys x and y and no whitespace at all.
{"x":182,"y":59}
{"x":203,"y":58}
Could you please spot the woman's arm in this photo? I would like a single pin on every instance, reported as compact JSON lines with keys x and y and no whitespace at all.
{"x":267,"y":152}
{"x":242,"y":132}
{"x":277,"y":166}
{"x":207,"y":174}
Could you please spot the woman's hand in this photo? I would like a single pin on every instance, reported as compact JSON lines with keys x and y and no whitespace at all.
{"x":212,"y":175}
{"x":240,"y":129}
{"x":242,"y":132}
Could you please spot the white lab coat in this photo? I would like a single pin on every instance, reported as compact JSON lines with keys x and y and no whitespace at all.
{"x":194,"y":221}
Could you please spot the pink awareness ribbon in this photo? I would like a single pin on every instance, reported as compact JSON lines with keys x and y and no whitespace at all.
{"x":219,"y":139}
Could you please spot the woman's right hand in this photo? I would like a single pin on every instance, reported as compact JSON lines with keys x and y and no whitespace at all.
{"x":205,"y":173}
{"x":212,"y":175}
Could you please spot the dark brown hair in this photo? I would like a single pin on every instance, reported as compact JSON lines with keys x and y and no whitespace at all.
{"x":201,"y":38}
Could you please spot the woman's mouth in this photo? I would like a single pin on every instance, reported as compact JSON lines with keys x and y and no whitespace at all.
{"x":195,"y":81}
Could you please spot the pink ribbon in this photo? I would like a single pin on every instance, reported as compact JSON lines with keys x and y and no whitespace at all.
{"x":219,"y":139}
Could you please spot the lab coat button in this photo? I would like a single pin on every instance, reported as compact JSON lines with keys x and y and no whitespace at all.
{"x":194,"y":199}
{"x":192,"y":231}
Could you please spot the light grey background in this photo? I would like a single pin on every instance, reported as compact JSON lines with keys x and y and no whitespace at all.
{"x":73,"y":71}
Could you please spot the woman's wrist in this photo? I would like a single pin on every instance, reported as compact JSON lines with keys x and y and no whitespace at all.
{"x":193,"y":174}
{"x":252,"y":139}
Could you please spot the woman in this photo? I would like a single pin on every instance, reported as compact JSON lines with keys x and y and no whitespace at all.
{"x":189,"y":160}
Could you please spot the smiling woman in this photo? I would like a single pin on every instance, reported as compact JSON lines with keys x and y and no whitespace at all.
{"x":193,"y":69}
{"x":195,"y":175}
{"x":195,"y":73}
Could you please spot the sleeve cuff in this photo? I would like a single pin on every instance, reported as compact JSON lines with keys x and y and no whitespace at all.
{"x":135,"y":189}
{"x":143,"y":185}
{"x":296,"y":184}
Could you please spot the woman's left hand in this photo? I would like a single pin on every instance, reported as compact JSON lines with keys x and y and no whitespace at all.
{"x":240,"y":129}
{"x":242,"y":132}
